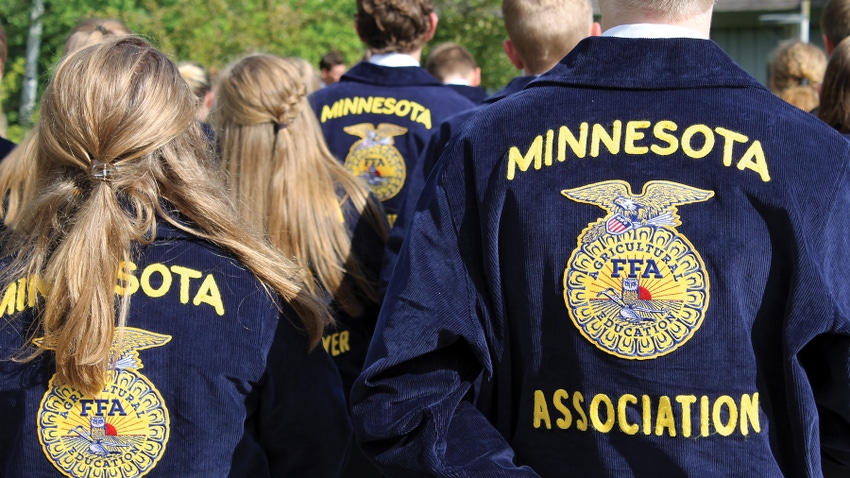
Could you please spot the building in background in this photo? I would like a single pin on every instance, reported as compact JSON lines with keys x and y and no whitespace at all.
{"x":749,"y":30}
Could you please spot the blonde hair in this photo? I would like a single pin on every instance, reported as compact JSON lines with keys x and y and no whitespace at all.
{"x":544,"y":31}
{"x":17,"y":177}
{"x":196,"y":77}
{"x":309,"y":76}
{"x":666,"y":9}
{"x":116,"y":147}
{"x":285,"y":180}
{"x":795,"y":73}
{"x":834,"y":107}
{"x":93,"y":31}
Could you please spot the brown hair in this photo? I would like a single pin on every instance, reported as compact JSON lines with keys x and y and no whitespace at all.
{"x":544,"y":31}
{"x":116,"y":147}
{"x":398,"y":26}
{"x":285,"y":180}
{"x":834,"y":107}
{"x":795,"y":73}
{"x":92,"y":31}
{"x":450,"y":59}
{"x":330,"y":60}
{"x":835,"y":21}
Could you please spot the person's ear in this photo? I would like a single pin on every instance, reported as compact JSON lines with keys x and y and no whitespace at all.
{"x":510,"y":50}
{"x":476,"y":77}
{"x":433,"y":29}
{"x":827,"y":45}
{"x":596,"y":29}
{"x":357,"y":29}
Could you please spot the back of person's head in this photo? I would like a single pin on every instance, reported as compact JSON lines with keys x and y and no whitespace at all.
{"x":116,"y":147}
{"x":331,"y":59}
{"x":400,"y":26}
{"x":450,"y":60}
{"x":308,"y":74}
{"x":544,"y":31}
{"x":282,"y":175}
{"x":835,"y":22}
{"x":664,"y":9}
{"x":92,"y":31}
{"x":196,"y":77}
{"x":795,"y":73}
{"x":834,"y":107}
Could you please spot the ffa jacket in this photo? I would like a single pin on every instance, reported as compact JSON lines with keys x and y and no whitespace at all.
{"x":211,"y":379}
{"x":475,"y":94}
{"x":347,"y":341}
{"x":641,"y":257}
{"x":423,"y":168}
{"x":378,"y":119}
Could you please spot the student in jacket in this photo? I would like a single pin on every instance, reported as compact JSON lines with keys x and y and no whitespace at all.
{"x":377,"y":119}
{"x":643,"y":266}
{"x":146,"y":330}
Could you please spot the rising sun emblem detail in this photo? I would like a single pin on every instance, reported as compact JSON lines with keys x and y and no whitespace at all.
{"x":375,"y":159}
{"x":121,"y":432}
{"x":634,"y":286}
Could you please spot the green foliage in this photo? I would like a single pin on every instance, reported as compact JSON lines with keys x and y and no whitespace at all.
{"x":477,"y":26}
{"x":215,"y":32}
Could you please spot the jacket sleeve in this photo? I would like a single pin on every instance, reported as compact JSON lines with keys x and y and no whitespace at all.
{"x":826,"y":358}
{"x":411,"y":406}
{"x":303,"y":420}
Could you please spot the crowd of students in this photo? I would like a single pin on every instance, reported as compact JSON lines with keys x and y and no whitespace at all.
{"x":626,"y":262}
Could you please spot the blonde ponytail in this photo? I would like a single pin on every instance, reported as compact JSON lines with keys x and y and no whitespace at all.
{"x":116,"y":146}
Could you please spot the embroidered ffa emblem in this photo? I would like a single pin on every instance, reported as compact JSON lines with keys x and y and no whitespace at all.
{"x":634,"y":286}
{"x":375,"y":159}
{"x":121,"y":432}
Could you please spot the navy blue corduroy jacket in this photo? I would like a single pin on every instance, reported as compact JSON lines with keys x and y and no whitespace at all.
{"x":642,"y":259}
{"x":211,"y":379}
{"x":378,"y":119}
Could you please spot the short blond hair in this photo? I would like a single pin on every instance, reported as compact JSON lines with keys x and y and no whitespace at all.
{"x":196,"y":77}
{"x":544,"y":31}
{"x":666,"y":9}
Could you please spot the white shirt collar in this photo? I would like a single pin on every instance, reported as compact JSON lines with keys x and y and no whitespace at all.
{"x":457,"y":81}
{"x":393,"y":59}
{"x":652,"y":30}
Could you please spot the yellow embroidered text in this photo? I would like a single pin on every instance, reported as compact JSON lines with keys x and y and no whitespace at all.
{"x":639,"y":138}
{"x":378,"y":105}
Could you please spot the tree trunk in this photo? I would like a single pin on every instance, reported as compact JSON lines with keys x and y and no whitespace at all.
{"x":29,"y":92}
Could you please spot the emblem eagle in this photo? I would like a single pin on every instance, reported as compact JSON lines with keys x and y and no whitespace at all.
{"x":655,"y":206}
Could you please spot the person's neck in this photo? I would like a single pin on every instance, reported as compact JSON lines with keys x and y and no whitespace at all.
{"x":611,"y":17}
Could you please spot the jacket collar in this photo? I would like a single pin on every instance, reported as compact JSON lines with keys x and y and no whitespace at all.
{"x":625,"y":63}
{"x":372,"y":74}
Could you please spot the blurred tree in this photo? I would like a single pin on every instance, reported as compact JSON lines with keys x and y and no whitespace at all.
{"x":477,"y":26}
{"x":29,"y":90}
{"x":215,"y":32}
